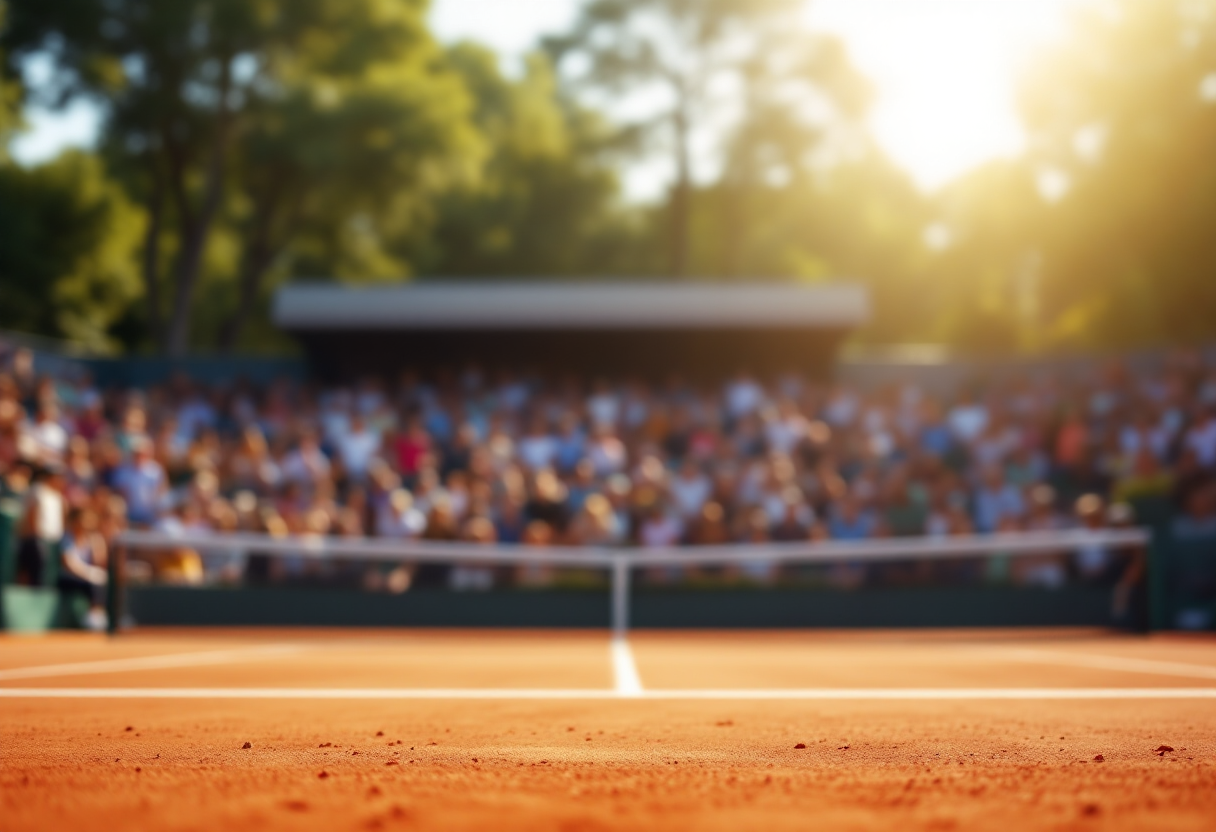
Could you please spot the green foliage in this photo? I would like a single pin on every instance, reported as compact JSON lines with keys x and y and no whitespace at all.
{"x":1126,"y":256}
{"x":543,"y":203}
{"x":683,"y":50}
{"x":68,"y":236}
{"x":332,"y":102}
{"x":9,"y":100}
{"x":334,"y":165}
{"x":1129,"y":116}
{"x":256,"y":140}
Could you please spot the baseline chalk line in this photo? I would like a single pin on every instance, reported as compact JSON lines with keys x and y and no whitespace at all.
{"x":806,"y":694}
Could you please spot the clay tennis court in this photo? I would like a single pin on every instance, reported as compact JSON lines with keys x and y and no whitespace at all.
{"x":564,"y":730}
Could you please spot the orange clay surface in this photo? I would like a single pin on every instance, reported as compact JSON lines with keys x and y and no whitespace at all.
{"x":73,"y":755}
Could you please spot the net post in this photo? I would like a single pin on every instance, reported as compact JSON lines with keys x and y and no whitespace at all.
{"x":620,"y":596}
{"x":114,"y":578}
{"x":1157,"y":557}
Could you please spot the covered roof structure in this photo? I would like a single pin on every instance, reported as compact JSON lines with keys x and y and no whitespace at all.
{"x":605,"y":327}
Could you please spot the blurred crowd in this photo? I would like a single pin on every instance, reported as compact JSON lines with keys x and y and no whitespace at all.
{"x":516,"y":460}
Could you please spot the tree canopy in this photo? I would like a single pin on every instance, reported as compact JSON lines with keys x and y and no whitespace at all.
{"x":68,"y":236}
{"x":290,"y":106}
{"x":248,"y":142}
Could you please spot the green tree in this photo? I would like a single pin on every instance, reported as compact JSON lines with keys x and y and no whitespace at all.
{"x":324,"y":156}
{"x":190,"y":85}
{"x":68,"y":250}
{"x":684,"y":50}
{"x":981,"y":288}
{"x":544,"y":202}
{"x":9,"y":97}
{"x":1124,"y":112}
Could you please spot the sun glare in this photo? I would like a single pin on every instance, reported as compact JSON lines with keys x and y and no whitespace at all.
{"x":945,"y":73}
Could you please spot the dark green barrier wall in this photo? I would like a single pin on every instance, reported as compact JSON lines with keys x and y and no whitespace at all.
{"x":1184,"y":582}
{"x":981,"y":607}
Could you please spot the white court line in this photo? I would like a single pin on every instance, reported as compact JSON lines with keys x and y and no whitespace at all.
{"x":624,"y":669}
{"x":842,"y":694}
{"x":1091,"y":660}
{"x":151,"y":662}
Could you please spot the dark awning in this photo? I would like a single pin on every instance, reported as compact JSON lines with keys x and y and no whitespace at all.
{"x":465,"y":305}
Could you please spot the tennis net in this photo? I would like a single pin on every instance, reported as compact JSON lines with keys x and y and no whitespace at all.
{"x":1087,"y":576}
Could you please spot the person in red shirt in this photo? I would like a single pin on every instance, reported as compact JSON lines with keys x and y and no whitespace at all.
{"x":412,"y":447}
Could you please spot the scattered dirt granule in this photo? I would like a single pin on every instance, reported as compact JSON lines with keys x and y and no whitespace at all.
{"x":391,"y":763}
{"x":379,"y":733}
{"x":1091,"y":810}
{"x":1162,"y":749}
{"x":800,"y":745}
{"x":129,"y":728}
{"x":323,"y":775}
{"x":247,"y":745}
{"x":1099,"y":759}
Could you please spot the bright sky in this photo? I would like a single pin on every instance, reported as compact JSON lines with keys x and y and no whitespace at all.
{"x":944,"y":70}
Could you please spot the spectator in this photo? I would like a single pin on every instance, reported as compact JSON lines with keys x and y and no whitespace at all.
{"x":42,"y":529}
{"x":83,"y":565}
{"x":690,"y":489}
{"x":1094,"y":563}
{"x":306,"y":465}
{"x":142,"y":484}
{"x":48,"y":435}
{"x":849,"y":522}
{"x":996,"y":500}
{"x":1201,"y":438}
{"x":616,"y":464}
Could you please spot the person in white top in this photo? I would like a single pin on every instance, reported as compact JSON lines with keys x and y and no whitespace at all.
{"x":968,"y":419}
{"x":606,"y":452}
{"x":357,"y":446}
{"x":397,"y":517}
{"x":784,"y":428}
{"x":743,"y":396}
{"x":690,"y":490}
{"x":41,"y":528}
{"x":306,"y":464}
{"x":660,"y":529}
{"x":538,"y":448}
{"x":50,"y":438}
{"x":604,"y":406}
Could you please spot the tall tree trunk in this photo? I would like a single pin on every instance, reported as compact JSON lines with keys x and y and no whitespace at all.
{"x":151,"y":259}
{"x":197,"y":229}
{"x":258,"y":258}
{"x":261,"y":251}
{"x":681,"y":194}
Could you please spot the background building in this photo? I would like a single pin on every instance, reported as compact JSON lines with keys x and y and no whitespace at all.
{"x":645,"y":329}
